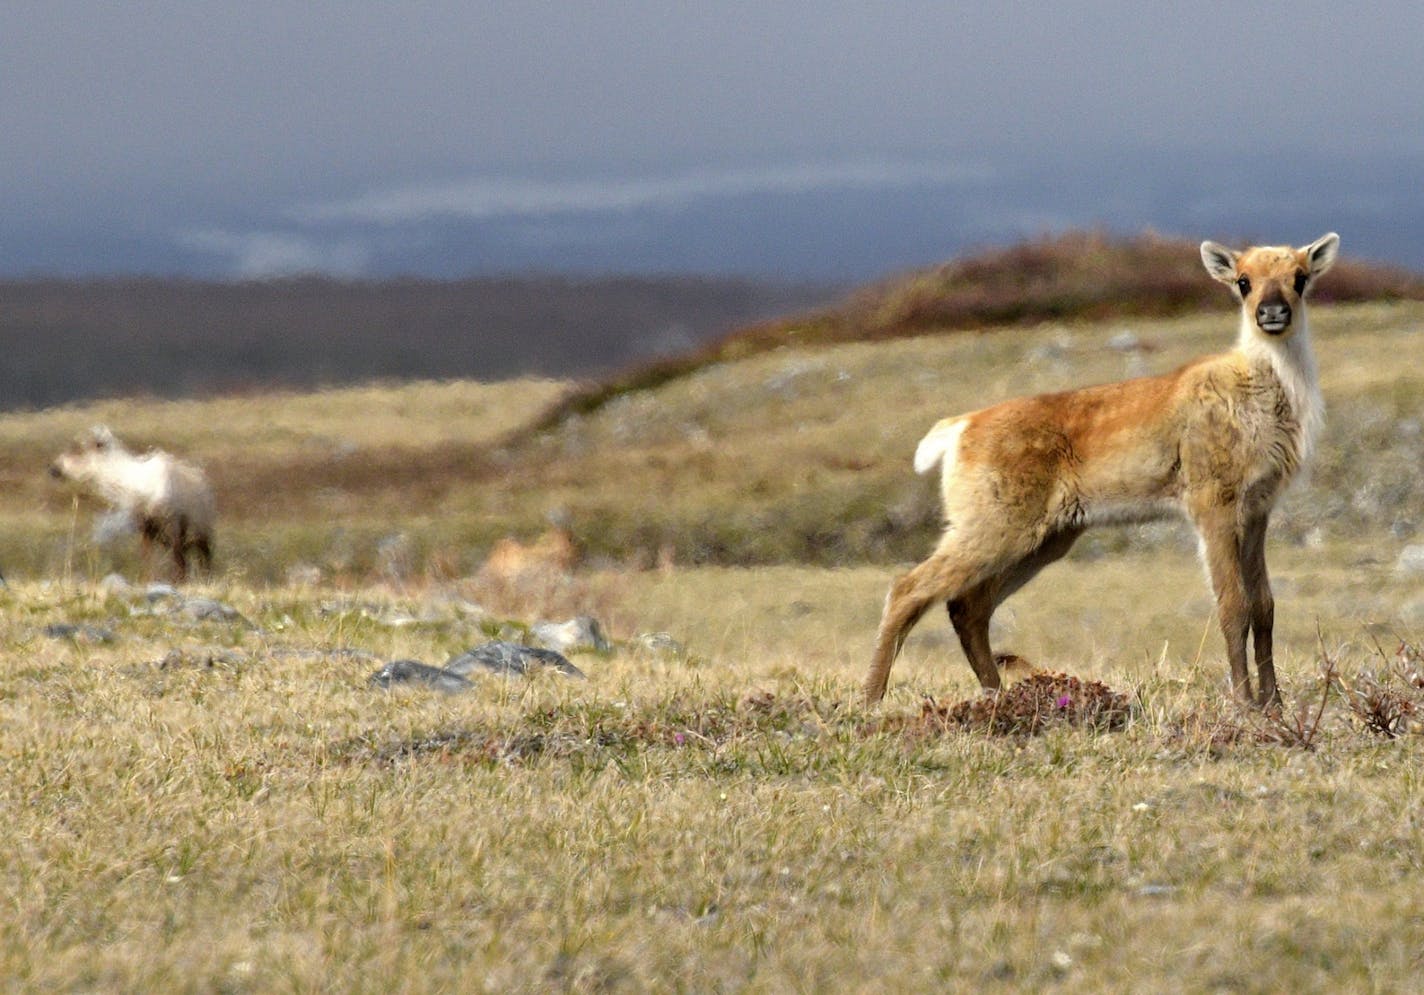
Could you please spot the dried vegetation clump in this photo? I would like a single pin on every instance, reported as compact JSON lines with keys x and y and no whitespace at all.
{"x":1389,"y":701}
{"x":1031,"y":706}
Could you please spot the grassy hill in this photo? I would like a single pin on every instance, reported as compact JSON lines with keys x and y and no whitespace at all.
{"x":1073,"y":277}
{"x":222,"y":802}
{"x":792,"y":455}
{"x":777,"y":445}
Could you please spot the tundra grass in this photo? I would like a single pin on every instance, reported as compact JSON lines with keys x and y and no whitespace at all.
{"x":795,"y":455}
{"x":227,"y":805}
{"x":247,"y":814}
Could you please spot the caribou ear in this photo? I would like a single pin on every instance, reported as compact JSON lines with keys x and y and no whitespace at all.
{"x":1219,"y":261}
{"x":1321,"y":253}
{"x":100,"y":437}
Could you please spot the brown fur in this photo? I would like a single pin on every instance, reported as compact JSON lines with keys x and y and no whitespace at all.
{"x":1216,"y":440}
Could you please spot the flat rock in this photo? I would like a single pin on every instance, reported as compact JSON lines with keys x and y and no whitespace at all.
{"x":413,"y":672}
{"x":510,"y":659}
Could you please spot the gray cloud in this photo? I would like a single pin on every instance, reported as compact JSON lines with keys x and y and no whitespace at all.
{"x":270,"y":125}
{"x":480,"y":197}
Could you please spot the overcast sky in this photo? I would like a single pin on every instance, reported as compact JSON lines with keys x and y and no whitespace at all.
{"x":264,"y":137}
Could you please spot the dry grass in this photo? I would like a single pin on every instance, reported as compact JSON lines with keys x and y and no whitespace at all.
{"x":795,"y":455}
{"x":227,"y":805}
{"x":248,"y":815}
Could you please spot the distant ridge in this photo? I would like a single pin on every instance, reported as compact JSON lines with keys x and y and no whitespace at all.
{"x":73,"y":339}
{"x":1077,"y":276}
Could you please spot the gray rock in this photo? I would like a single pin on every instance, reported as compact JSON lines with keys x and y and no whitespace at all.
{"x":414,"y":672}
{"x":1157,"y":890}
{"x":576,"y":635}
{"x":510,"y":659}
{"x":658,"y":644}
{"x":160,"y":592}
{"x":208,"y":610}
{"x":79,"y":633}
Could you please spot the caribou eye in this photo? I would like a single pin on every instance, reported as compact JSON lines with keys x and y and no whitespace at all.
{"x":1300,"y":281}
{"x":1243,"y":285}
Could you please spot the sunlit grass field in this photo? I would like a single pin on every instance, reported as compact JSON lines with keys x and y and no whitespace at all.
{"x":226,"y":804}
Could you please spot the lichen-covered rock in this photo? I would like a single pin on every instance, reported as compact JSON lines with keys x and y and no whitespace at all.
{"x":510,"y":659}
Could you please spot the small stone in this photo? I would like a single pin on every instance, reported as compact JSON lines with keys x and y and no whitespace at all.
{"x":159,"y":592}
{"x":1156,"y":891}
{"x":659,"y":644}
{"x":208,"y":610}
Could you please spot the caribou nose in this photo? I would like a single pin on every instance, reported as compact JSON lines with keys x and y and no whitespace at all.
{"x":55,"y":471}
{"x":1273,"y":317}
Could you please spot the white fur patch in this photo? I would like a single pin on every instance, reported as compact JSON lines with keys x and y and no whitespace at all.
{"x":1294,"y":364}
{"x":941,"y":444}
